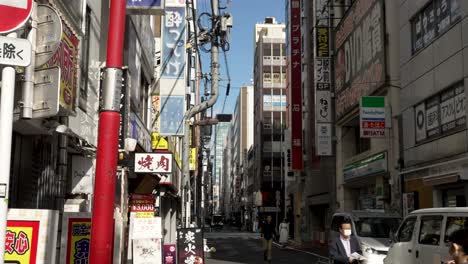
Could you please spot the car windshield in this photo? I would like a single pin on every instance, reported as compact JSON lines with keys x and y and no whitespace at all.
{"x":377,"y":227}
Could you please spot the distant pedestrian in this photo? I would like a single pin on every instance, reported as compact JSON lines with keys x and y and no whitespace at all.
{"x":268,"y":233}
{"x":345,"y":248}
{"x":459,"y":247}
{"x":284,"y":233}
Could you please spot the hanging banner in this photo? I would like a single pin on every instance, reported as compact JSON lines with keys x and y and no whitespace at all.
{"x":190,"y":245}
{"x":295,"y":73}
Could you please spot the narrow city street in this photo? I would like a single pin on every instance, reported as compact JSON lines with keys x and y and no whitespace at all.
{"x":246,"y":248}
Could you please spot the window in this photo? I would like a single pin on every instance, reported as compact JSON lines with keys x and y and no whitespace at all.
{"x":377,"y":227}
{"x":406,"y":230}
{"x":454,"y":224}
{"x":429,"y":233}
{"x":84,"y":62}
{"x":362,"y":144}
{"x":433,"y":21}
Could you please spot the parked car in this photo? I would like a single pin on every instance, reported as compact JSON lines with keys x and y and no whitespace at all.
{"x":372,"y":228}
{"x":217,"y":221}
{"x":424,"y":234}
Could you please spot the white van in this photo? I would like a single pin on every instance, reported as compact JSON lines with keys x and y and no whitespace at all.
{"x":372,"y":228}
{"x":423,"y":236}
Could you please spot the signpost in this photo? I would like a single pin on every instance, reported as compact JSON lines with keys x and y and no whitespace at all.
{"x":372,"y":116}
{"x":18,"y":12}
{"x":15,"y":51}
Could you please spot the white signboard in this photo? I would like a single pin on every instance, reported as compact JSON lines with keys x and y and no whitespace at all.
{"x":82,"y":175}
{"x":372,"y":116}
{"x":144,"y":228}
{"x":153,"y":162}
{"x":15,"y":51}
{"x":323,"y":106}
{"x":324,"y":139}
{"x":147,"y":251}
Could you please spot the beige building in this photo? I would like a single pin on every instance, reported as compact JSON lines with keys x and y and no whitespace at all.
{"x":434,"y":71}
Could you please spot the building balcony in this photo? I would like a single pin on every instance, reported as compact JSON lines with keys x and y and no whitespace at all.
{"x":274,"y":60}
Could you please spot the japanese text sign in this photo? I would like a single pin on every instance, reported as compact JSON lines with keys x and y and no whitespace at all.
{"x":360,"y":54}
{"x":169,"y":254}
{"x":190,"y":246}
{"x":153,"y":162}
{"x":78,"y":241}
{"x":66,"y":57}
{"x":15,"y":51}
{"x":372,"y":116}
{"x":144,"y":228}
{"x":21,"y":241}
{"x":295,"y":72}
{"x":173,"y":50}
{"x":323,"y":41}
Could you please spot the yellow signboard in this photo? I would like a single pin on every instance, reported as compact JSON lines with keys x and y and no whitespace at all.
{"x":158,"y":142}
{"x":79,"y":235}
{"x":193,"y":159}
{"x":21,"y":241}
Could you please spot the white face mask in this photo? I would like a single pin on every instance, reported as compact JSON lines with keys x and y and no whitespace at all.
{"x":347,"y":232}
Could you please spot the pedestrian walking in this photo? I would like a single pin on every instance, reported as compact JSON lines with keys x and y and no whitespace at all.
{"x":284,"y":233}
{"x":268,"y":233}
{"x":345,"y":248}
{"x":459,"y":247}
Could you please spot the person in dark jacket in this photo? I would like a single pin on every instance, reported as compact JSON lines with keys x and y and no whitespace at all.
{"x":342,"y":247}
{"x":268,"y":233}
{"x":459,"y":247}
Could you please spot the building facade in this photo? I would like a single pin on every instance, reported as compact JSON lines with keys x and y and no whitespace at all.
{"x":366,"y":64}
{"x":269,"y":114}
{"x":433,"y":61}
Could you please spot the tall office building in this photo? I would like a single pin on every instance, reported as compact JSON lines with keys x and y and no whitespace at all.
{"x":269,"y":112}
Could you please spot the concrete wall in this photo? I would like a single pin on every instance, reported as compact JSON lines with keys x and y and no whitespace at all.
{"x":427,"y":72}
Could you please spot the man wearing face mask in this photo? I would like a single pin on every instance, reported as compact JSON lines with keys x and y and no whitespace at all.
{"x":342,"y":247}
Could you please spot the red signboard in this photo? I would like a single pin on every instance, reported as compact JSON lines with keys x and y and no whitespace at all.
{"x":15,"y":13}
{"x":295,"y":79}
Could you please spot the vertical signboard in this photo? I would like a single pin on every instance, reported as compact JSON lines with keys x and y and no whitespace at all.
{"x":173,"y":71}
{"x":360,"y":54}
{"x":372,"y":116}
{"x":66,"y":57}
{"x":322,"y":67}
{"x":169,"y":254}
{"x":295,"y":71}
{"x":190,"y":245}
{"x":78,"y":240}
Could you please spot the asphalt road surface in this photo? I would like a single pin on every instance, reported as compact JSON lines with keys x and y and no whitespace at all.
{"x":246,"y":248}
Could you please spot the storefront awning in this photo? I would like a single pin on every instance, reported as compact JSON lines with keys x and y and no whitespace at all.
{"x":440,"y":179}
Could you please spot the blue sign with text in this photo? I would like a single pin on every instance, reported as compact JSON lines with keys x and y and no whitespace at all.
{"x":154,"y":7}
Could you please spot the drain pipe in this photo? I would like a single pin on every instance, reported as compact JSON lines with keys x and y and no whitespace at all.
{"x":198,"y":108}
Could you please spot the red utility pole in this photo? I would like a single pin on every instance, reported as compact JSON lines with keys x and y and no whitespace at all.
{"x":102,"y":227}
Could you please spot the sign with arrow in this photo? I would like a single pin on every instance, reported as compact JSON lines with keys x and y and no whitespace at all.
{"x":15,"y":51}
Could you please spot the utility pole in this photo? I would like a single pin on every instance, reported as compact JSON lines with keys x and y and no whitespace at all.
{"x":6,"y":130}
{"x":102,"y":226}
{"x":198,"y":108}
